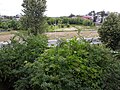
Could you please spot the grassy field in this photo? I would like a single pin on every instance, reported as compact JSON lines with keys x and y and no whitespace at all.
{"x":72,"y":28}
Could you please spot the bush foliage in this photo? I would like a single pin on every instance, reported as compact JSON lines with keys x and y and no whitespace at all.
{"x":14,"y":56}
{"x":71,"y":65}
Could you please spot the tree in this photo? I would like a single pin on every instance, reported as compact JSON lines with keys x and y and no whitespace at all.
{"x":71,"y":15}
{"x":110,"y":31}
{"x":34,"y":15}
{"x":13,"y":24}
{"x":0,"y":21}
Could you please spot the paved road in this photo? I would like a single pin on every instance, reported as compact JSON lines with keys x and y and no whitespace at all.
{"x":91,"y":40}
{"x":54,"y":42}
{"x":3,"y":43}
{"x":50,"y":43}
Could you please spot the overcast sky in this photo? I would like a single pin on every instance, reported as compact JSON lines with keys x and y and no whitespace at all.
{"x":63,"y":7}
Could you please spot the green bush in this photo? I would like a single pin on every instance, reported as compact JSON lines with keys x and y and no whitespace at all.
{"x":73,"y":65}
{"x":87,"y":23}
{"x":62,"y":25}
{"x":111,"y":77}
{"x":68,"y":25}
{"x":14,"y":56}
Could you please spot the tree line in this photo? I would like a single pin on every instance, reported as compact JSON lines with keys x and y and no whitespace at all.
{"x":70,"y":21}
{"x":10,"y":24}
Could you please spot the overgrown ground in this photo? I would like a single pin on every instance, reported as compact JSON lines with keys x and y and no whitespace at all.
{"x":70,"y":34}
{"x":54,"y":35}
{"x":72,"y":31}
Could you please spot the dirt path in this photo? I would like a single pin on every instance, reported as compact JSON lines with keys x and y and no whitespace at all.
{"x":5,"y":37}
{"x":87,"y":34}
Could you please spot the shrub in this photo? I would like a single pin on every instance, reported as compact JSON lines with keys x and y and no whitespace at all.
{"x":111,"y":77}
{"x":73,"y":65}
{"x":87,"y":23}
{"x":14,"y":56}
{"x":62,"y":25}
{"x":68,"y":25}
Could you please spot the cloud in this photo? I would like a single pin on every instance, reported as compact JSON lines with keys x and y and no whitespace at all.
{"x":63,"y":7}
{"x":10,"y":7}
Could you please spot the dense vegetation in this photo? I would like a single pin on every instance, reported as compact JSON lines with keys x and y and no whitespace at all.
{"x":14,"y":56}
{"x":23,"y":24}
{"x":10,"y":24}
{"x":69,"y":21}
{"x":59,"y":22}
{"x":27,"y":63}
{"x":73,"y":65}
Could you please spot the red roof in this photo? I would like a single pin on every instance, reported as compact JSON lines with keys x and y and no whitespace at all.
{"x":87,"y":17}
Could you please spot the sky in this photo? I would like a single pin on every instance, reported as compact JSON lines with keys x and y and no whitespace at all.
{"x":57,"y":8}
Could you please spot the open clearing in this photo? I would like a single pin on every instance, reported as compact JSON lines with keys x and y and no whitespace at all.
{"x":55,"y":35}
{"x":71,"y":34}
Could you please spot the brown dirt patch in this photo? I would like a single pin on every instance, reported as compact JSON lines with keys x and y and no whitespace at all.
{"x":6,"y":37}
{"x":86,"y":34}
{"x":55,"y":35}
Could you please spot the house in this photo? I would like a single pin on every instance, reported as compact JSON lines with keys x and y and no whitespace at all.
{"x":87,"y":17}
{"x":98,"y":17}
